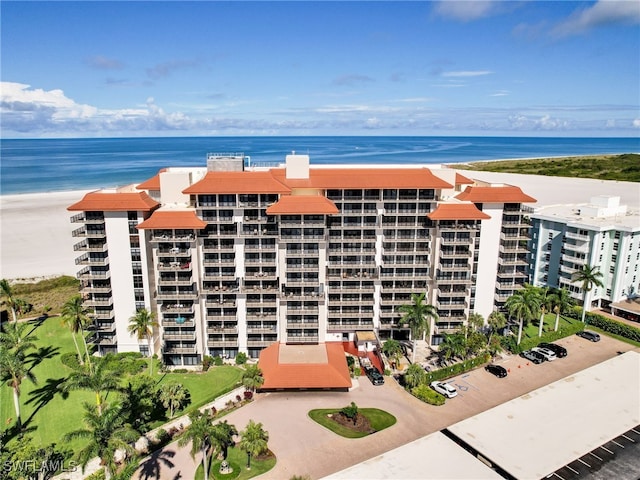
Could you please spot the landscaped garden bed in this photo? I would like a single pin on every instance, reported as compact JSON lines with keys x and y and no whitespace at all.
{"x":353,"y":422}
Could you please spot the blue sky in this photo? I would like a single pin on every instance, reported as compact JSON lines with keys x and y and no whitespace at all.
{"x":109,"y":69}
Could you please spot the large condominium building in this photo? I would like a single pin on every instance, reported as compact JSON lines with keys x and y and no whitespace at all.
{"x":601,"y":233}
{"x":233,"y":259}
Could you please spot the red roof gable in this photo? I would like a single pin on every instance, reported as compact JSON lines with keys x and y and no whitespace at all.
{"x":333,"y":374}
{"x":114,"y":202}
{"x":461,"y":179}
{"x":457,"y":211}
{"x":178,"y":219}
{"x":237,"y":182}
{"x":151,"y":184}
{"x":497,"y":194}
{"x":303,"y":205}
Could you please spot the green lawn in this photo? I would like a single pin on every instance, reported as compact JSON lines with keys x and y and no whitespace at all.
{"x":379,"y":420}
{"x":47,"y":416}
{"x":531,"y":330}
{"x":238,"y":461}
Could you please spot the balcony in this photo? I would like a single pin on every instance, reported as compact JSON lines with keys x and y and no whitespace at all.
{"x":260,"y":343}
{"x":263,"y":329}
{"x":102,"y":315}
{"x":222,"y":343}
{"x":233,"y":330}
{"x":302,"y":339}
{"x":85,"y":246}
{"x":456,"y":240}
{"x":577,"y":236}
{"x":349,"y":326}
{"x":177,"y":308}
{"x":95,"y":289}
{"x":181,"y":349}
{"x":170,"y":237}
{"x":176,"y":295}
{"x":98,"y":302}
{"x":453,"y":280}
{"x":174,"y":252}
{"x":178,"y":322}
{"x":182,"y":336}
{"x":86,"y":217}
{"x":301,"y":325}
{"x":89,"y":232}
{"x":217,"y":247}
{"x":174,"y":266}
{"x":168,"y":281}
{"x":92,"y":260}
{"x":88,"y":273}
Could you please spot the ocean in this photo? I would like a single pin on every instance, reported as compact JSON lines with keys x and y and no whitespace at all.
{"x":47,"y":165}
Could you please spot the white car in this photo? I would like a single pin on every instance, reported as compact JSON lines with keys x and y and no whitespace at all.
{"x":546,"y":353}
{"x":445,"y":389}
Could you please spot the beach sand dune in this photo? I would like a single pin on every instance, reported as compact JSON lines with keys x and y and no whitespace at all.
{"x":35,"y":235}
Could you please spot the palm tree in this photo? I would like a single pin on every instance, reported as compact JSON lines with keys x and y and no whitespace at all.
{"x":141,"y":325}
{"x":76,"y":317}
{"x":588,"y":277}
{"x":9,"y":299}
{"x":252,"y":378}
{"x":496,"y":321}
{"x":452,"y":346}
{"x":99,"y":381}
{"x":13,"y":337}
{"x":223,"y":434}
{"x":417,"y":316}
{"x":545,"y":302}
{"x":475,"y":322}
{"x":200,"y":434}
{"x":560,"y":301}
{"x":12,"y":372}
{"x":173,"y":396}
{"x":106,"y":433}
{"x":393,"y":350}
{"x":524,"y":305}
{"x":414,"y":375}
{"x":253,"y":440}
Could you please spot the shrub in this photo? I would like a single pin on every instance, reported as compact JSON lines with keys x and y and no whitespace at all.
{"x":241,"y":358}
{"x":217,"y":361}
{"x":614,"y":327}
{"x":180,"y":370}
{"x":248,"y":394}
{"x":528,"y":343}
{"x":426,"y":394}
{"x":207,"y":361}
{"x":351,"y":361}
{"x":163,"y":437}
{"x":350,"y":411}
{"x":457,"y":368}
{"x":70,"y":359}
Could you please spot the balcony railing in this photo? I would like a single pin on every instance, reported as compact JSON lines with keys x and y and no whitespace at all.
{"x":302,"y":339}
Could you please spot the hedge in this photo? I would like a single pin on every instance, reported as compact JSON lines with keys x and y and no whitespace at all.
{"x":426,"y":394}
{"x":457,"y":368}
{"x":612,"y":326}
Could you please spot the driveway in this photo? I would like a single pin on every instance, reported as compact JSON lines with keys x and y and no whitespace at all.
{"x":306,"y":448}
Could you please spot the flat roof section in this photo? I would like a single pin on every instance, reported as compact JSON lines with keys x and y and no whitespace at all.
{"x":532,"y":436}
{"x":447,"y":462}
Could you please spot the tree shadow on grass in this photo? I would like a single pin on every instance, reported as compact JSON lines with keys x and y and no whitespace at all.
{"x":150,"y":468}
{"x":43,"y":395}
{"x":14,"y":431}
{"x":43,"y":353}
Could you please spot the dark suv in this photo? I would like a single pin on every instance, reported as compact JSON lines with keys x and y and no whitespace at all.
{"x":589,"y":335}
{"x":560,"y":352}
{"x":374,"y":376}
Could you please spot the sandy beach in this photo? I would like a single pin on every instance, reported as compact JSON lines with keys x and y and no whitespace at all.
{"x":35,"y":230}
{"x":35,"y":235}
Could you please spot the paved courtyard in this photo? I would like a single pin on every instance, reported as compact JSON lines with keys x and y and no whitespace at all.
{"x":305,"y":448}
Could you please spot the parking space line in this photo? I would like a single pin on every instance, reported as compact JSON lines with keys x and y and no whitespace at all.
{"x":574,"y":471}
{"x":621,"y":446}
{"x":582,"y":461}
{"x":607,"y":450}
{"x":556,"y":474}
{"x":630,"y":439}
{"x":635,"y":431}
{"x":594,"y":455}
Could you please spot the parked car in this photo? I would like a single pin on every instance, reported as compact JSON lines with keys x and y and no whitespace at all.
{"x":496,"y":370}
{"x":374,"y":376}
{"x":560,"y":351}
{"x":444,"y":388}
{"x":532,"y":356}
{"x":589,"y":335}
{"x":548,"y":355}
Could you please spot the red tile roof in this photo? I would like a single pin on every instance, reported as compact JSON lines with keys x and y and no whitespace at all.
{"x":364,"y":178}
{"x":457,"y":211}
{"x":237,"y":182}
{"x":178,"y":219}
{"x":461,"y":179}
{"x":497,"y":194}
{"x":153,"y":183}
{"x":331,"y":375}
{"x":303,"y":205}
{"x":114,"y":202}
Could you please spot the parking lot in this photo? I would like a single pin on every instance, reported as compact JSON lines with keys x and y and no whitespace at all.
{"x":305,"y":448}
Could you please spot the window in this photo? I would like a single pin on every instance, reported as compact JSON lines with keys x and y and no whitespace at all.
{"x":612,"y":269}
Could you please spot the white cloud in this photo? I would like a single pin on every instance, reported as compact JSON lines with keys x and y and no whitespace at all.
{"x":500,"y":93}
{"x":467,"y":73}
{"x":465,"y":11}
{"x":636,"y":123}
{"x":604,"y":12}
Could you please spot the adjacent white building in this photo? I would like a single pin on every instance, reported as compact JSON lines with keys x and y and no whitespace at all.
{"x":601,"y":233}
